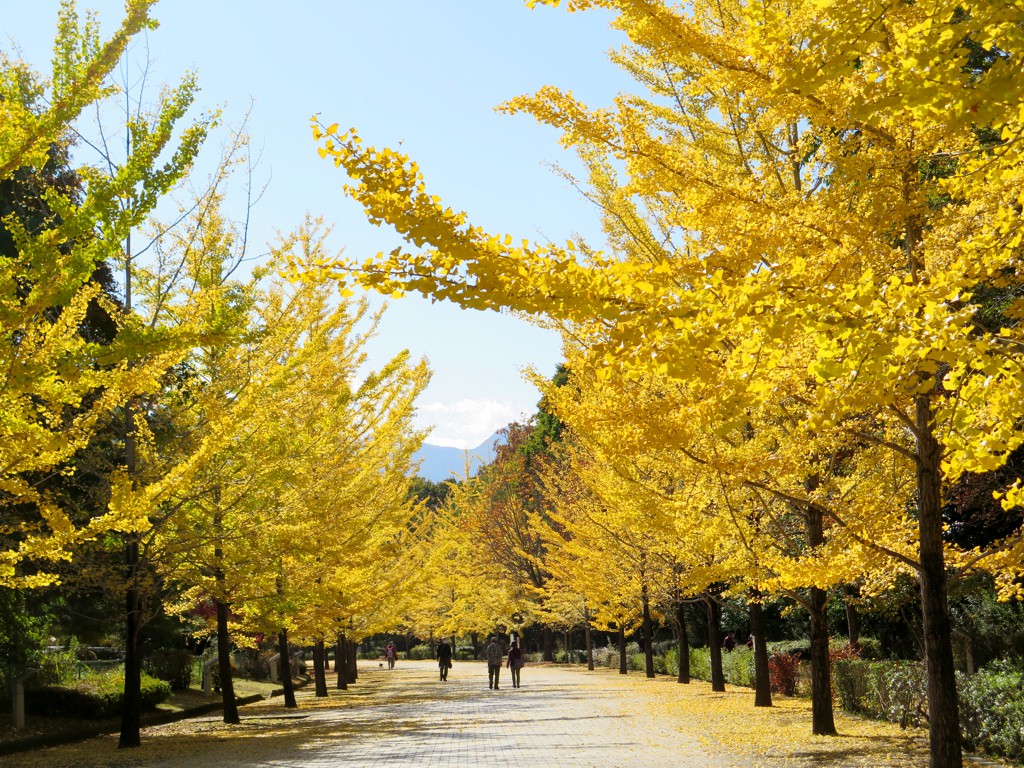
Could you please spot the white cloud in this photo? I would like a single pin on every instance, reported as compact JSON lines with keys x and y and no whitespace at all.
{"x":466,"y":423}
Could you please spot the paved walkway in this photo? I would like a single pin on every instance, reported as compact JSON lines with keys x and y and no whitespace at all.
{"x":406,"y":717}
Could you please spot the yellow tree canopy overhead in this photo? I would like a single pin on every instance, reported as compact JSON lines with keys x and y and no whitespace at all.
{"x":753,"y":134}
{"x":843,"y":177}
{"x":788,"y":177}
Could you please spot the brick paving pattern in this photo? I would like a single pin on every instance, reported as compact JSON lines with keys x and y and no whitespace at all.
{"x":557,"y":718}
{"x":563,"y":717}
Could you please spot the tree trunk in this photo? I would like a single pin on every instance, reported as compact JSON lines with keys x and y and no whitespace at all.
{"x":340,"y":666}
{"x":285,"y":668}
{"x":352,"y":659}
{"x":762,"y":678}
{"x":227,"y":682}
{"x":684,"y":644}
{"x":130,"y":724}
{"x":589,"y":640}
{"x":623,"y":663}
{"x":319,"y":674}
{"x":130,"y":736}
{"x":943,"y":709}
{"x":822,"y":722}
{"x":476,"y":645}
{"x":549,"y":643}
{"x":715,"y":643}
{"x":852,"y":617}
{"x":648,"y":639}
{"x":567,"y":643}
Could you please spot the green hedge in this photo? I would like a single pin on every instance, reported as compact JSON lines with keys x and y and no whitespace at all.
{"x":886,"y":690}
{"x":667,"y":662}
{"x":992,"y":710}
{"x":578,"y":656}
{"x":606,"y":656}
{"x":991,"y":705}
{"x":420,"y":652}
{"x":173,"y":665}
{"x":737,"y":665}
{"x":94,"y":697}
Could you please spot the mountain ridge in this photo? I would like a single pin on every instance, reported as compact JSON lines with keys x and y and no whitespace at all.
{"x":439,"y":462}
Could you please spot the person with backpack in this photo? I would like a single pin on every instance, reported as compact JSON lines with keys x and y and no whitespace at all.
{"x":390,"y":654}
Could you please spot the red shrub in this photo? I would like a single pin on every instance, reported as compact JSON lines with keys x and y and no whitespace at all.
{"x":843,"y":654}
{"x":782,"y":670}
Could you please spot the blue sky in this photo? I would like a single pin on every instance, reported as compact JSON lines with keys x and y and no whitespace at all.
{"x":423,"y":74}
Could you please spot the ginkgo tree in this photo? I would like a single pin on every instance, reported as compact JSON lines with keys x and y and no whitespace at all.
{"x":480,"y":567}
{"x":305,"y":469}
{"x":843,"y":174}
{"x":60,"y":387}
{"x":760,"y":506}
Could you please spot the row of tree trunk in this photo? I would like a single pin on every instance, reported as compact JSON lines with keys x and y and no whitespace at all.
{"x":344,"y":665}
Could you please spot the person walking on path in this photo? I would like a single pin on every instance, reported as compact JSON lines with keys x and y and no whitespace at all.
{"x":390,"y":652}
{"x":493,"y":653}
{"x":515,"y":662}
{"x":444,"y":658}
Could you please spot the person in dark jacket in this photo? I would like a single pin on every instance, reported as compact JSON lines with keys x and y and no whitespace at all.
{"x":515,"y":662}
{"x":444,"y":658}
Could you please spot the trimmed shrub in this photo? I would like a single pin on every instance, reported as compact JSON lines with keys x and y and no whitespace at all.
{"x":661,"y":647}
{"x":700,"y":663}
{"x":94,"y":697}
{"x":799,"y":648}
{"x":886,"y":690}
{"x":636,"y":662}
{"x":464,"y":654}
{"x":171,"y":665}
{"x":420,"y":652}
{"x":577,"y":657}
{"x":992,"y":710}
{"x":259,"y":665}
{"x":667,"y":663}
{"x":606,"y":656}
{"x":738,"y":666}
{"x":783,"y":671}
{"x":869,"y":648}
{"x":991,"y":706}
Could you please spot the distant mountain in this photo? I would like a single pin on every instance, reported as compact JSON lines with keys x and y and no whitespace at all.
{"x":438,"y":462}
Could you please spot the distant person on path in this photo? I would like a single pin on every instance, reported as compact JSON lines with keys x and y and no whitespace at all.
{"x":444,"y":658}
{"x":493,"y":653}
{"x":729,"y":642}
{"x":390,"y":652}
{"x":515,"y":662}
